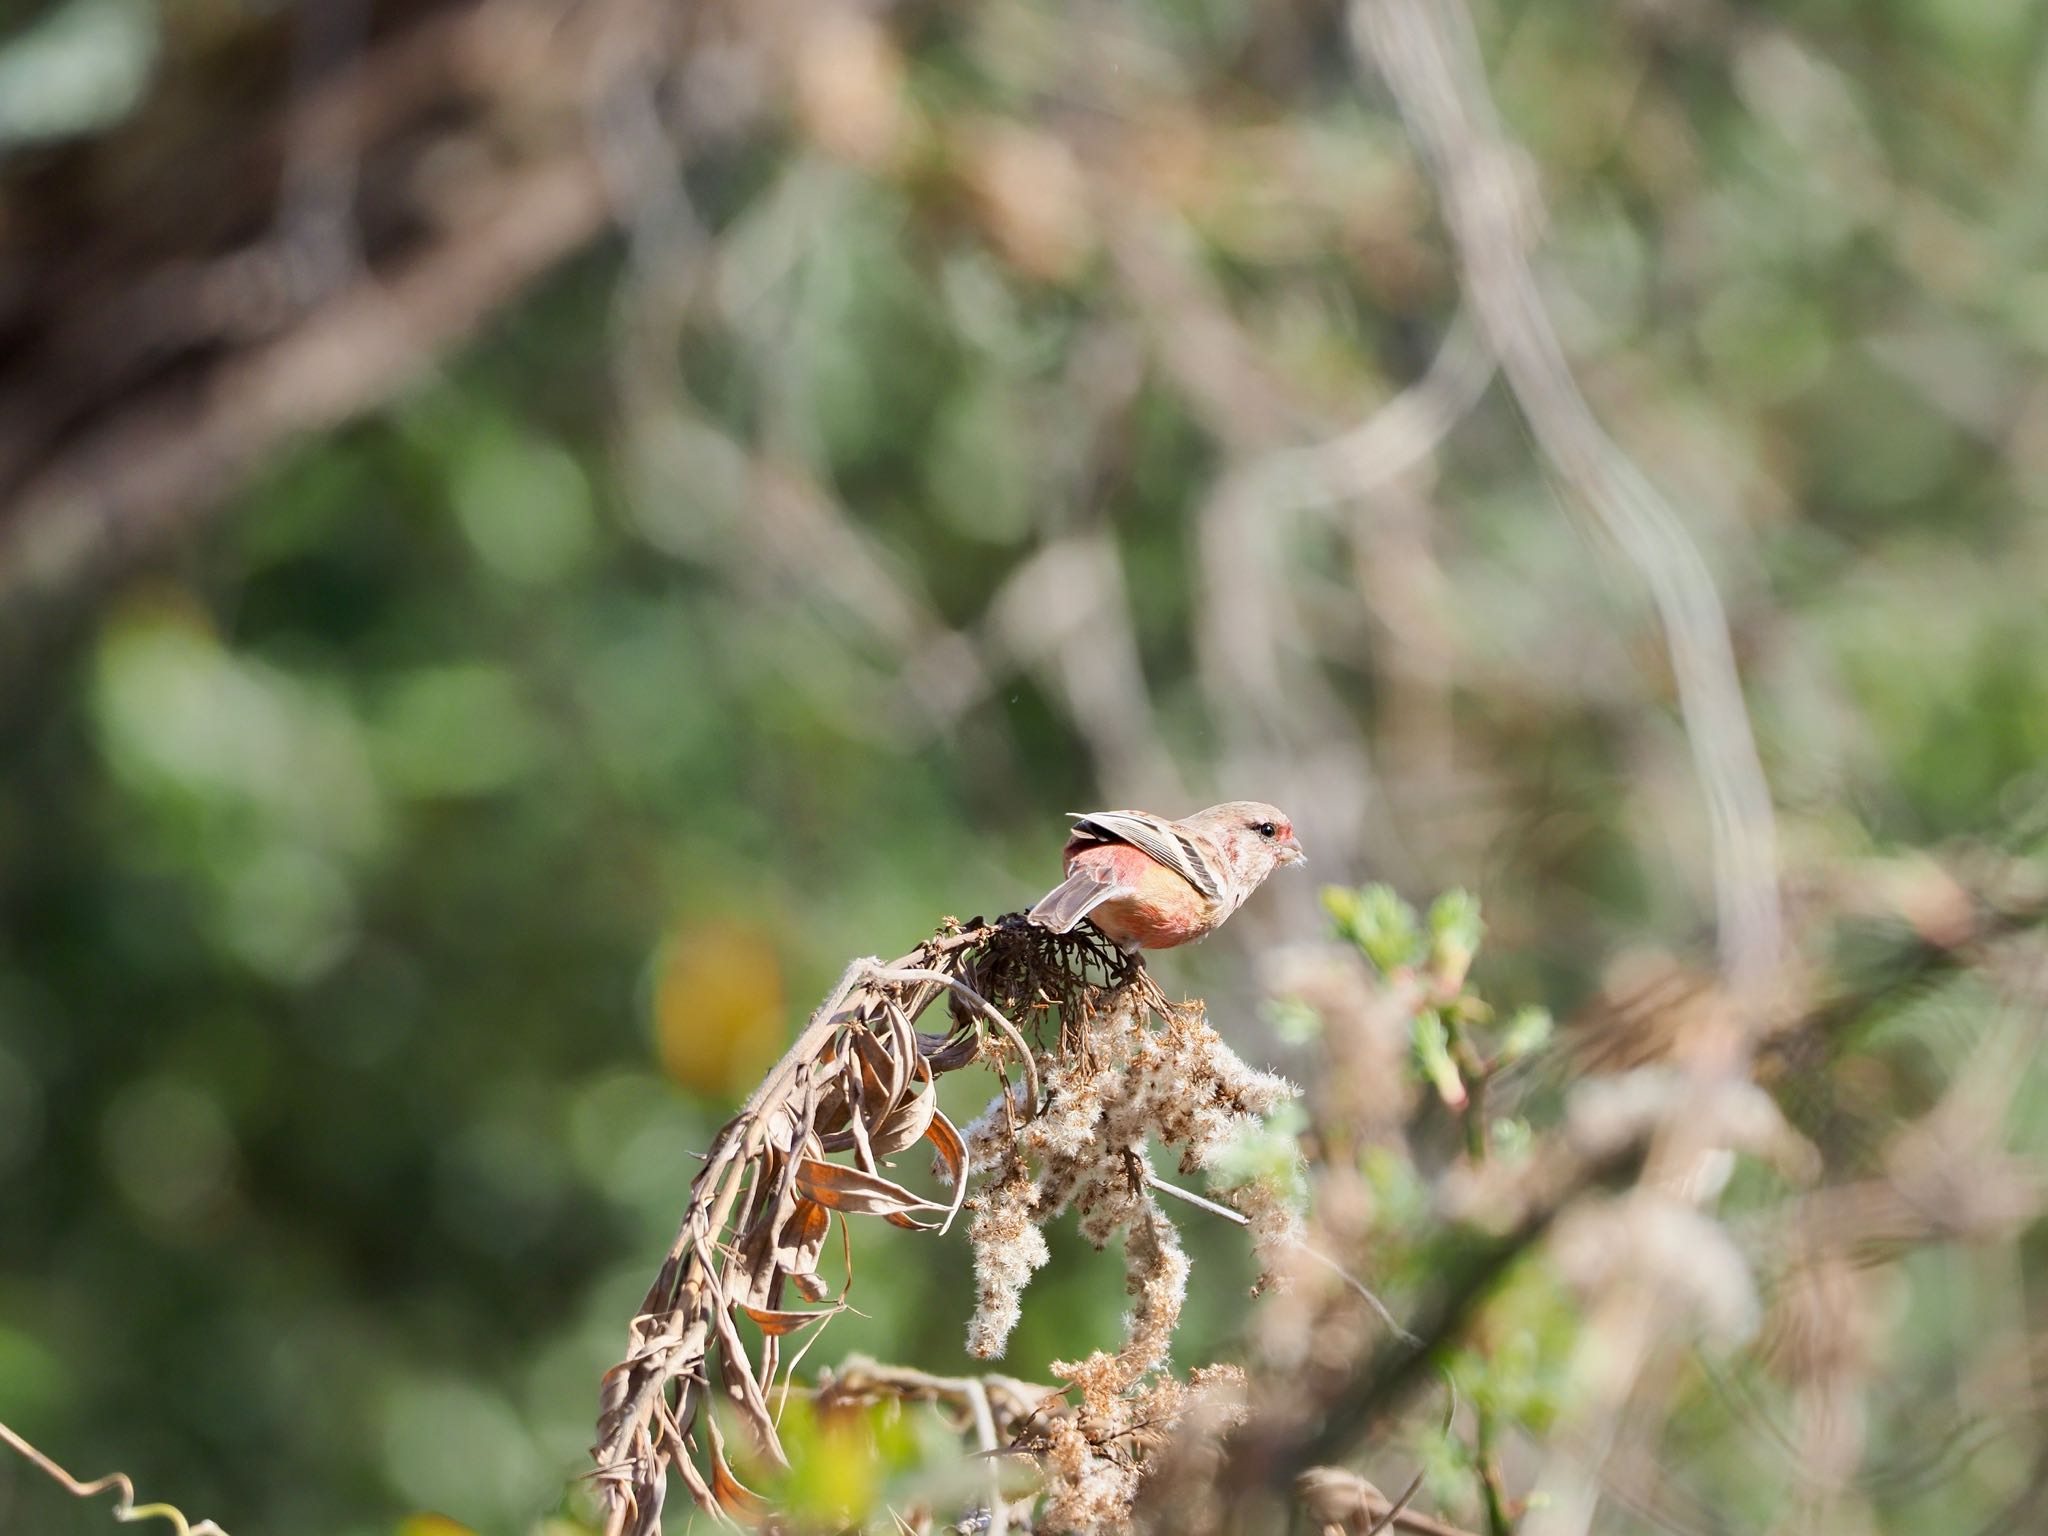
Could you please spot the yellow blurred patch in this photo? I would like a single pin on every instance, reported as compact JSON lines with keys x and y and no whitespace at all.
{"x":836,"y":1469}
{"x":718,"y":1007}
{"x":429,"y":1524}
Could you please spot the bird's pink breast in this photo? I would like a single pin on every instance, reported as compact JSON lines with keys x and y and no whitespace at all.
{"x":1161,"y":911}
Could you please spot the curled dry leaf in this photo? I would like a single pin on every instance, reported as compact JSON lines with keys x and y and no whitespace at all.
{"x":952,"y":1153}
{"x":908,"y":1122}
{"x":856,"y":1193}
{"x":733,"y":1496}
{"x":885,"y":1076}
{"x":861,"y":1079}
{"x":778,"y":1323}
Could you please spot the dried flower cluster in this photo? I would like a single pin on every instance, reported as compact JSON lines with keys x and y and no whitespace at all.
{"x":1099,"y":1459}
{"x":1146,"y":1069}
{"x":1116,"y":1064}
{"x":1142,"y":1069}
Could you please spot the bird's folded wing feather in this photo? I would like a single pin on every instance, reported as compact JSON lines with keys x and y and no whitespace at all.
{"x":1161,"y":839}
{"x":1085,"y":889}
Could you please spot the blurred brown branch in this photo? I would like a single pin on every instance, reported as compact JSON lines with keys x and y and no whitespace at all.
{"x":406,"y":188}
{"x":1425,"y":51}
{"x":165,"y":457}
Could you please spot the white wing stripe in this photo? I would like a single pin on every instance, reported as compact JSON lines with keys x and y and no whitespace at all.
{"x":1163,"y":841}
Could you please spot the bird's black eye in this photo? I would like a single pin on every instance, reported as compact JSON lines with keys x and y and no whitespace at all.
{"x":1265,"y":829}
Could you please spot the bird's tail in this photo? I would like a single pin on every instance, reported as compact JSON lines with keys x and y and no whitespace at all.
{"x":1062,"y":908}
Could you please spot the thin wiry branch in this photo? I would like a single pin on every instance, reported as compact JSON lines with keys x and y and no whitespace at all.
{"x":1423,"y":49}
{"x":1305,"y":1249}
{"x":125,"y":1508}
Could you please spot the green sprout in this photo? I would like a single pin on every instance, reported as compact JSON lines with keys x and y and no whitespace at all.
{"x":1433,"y":1054}
{"x":1379,"y":922}
{"x":1455,"y":929}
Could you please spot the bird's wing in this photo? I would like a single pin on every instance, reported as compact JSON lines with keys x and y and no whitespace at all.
{"x":1062,"y":908}
{"x":1161,"y":839}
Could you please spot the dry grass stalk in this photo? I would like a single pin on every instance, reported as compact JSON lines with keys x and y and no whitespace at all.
{"x":1113,"y":1063}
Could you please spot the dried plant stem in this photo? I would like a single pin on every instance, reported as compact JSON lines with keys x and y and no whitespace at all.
{"x":125,"y":1508}
{"x":1116,"y":1066}
{"x":985,"y":1436}
{"x":859,"y":1378}
{"x":860,"y":1079}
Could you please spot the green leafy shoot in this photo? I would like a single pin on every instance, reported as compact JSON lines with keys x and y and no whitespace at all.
{"x":1455,"y":929}
{"x":1380,"y":923}
{"x":1433,"y":1055}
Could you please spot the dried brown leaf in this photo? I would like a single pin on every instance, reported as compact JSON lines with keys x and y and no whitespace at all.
{"x":907,"y":1123}
{"x":866,"y":1112}
{"x":776,"y":1322}
{"x":856,"y":1193}
{"x":886,"y":1073}
{"x":733,"y":1495}
{"x":952,"y":1152}
{"x":736,"y":1371}
{"x":802,"y":1239}
{"x":833,"y":1105}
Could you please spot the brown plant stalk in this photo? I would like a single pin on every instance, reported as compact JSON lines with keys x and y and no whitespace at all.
{"x":859,"y":1083}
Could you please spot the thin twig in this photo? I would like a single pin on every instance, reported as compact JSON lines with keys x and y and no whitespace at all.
{"x":126,"y":1509}
{"x":1300,"y":1245}
{"x":1400,"y":1505}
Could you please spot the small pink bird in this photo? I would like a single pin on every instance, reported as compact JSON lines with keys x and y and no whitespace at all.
{"x":1150,"y":883}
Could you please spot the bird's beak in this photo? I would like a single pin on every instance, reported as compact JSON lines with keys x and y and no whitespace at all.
{"x":1290,"y":852}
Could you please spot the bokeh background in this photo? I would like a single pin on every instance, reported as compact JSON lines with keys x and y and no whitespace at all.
{"x":531,"y":533}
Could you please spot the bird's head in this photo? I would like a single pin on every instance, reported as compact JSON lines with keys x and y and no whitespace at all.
{"x":1255,"y":837}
